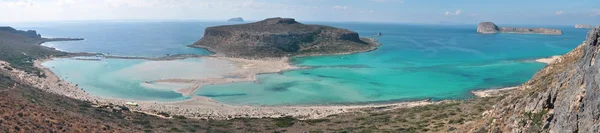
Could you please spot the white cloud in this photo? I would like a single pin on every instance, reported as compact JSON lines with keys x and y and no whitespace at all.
{"x":559,"y":12}
{"x":456,"y":13}
{"x":338,"y":7}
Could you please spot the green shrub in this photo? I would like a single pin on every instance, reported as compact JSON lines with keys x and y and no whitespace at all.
{"x":284,"y":121}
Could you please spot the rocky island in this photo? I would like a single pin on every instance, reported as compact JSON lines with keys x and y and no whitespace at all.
{"x":583,"y":26}
{"x":281,"y":37}
{"x":490,"y":28}
{"x":236,"y":19}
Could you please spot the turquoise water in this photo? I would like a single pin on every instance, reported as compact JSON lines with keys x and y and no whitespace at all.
{"x":132,"y":78}
{"x":415,"y":62}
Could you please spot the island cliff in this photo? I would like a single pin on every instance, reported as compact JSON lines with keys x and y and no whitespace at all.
{"x":281,"y":37}
{"x":489,"y":28}
{"x":562,"y":97}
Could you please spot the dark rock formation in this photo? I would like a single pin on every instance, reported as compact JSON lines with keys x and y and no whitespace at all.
{"x":489,"y":27}
{"x":28,"y":33}
{"x":584,"y":26}
{"x":280,"y":37}
{"x":563,"y":97}
{"x":236,"y":19}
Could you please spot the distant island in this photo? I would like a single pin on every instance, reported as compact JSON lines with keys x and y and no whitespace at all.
{"x":281,"y":37}
{"x":583,"y":26}
{"x":236,"y":19}
{"x":491,"y":28}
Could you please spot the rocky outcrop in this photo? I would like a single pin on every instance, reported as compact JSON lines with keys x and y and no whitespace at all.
{"x":236,"y":19}
{"x":28,"y":33}
{"x":489,"y":28}
{"x":583,"y":26}
{"x":281,"y":37}
{"x":562,"y":97}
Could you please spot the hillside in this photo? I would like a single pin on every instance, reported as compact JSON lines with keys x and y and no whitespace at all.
{"x":281,"y":37}
{"x":563,"y":97}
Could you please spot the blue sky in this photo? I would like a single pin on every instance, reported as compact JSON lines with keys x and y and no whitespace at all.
{"x":555,"y":12}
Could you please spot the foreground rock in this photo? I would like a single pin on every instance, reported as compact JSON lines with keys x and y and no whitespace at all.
{"x":563,"y":97}
{"x":584,"y":26}
{"x":281,"y":37}
{"x":490,"y":27}
{"x":236,"y":19}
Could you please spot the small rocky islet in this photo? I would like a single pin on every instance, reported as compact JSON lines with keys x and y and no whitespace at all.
{"x":236,"y":19}
{"x":281,"y":37}
{"x":583,"y":26}
{"x":491,"y":28}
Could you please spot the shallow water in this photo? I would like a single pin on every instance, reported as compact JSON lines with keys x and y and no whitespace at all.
{"x":414,"y":62}
{"x":130,"y":78}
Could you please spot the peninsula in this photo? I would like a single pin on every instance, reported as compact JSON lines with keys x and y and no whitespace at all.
{"x":491,"y":28}
{"x":281,"y":37}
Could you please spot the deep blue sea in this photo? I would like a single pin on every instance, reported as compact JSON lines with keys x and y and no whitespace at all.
{"x":414,"y":62}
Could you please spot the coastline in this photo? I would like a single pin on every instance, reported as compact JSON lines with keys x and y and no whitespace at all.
{"x":203,"y":107}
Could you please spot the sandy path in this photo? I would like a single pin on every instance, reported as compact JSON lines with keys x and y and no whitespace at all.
{"x":549,"y":59}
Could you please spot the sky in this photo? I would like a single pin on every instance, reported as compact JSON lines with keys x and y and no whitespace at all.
{"x":554,"y":12}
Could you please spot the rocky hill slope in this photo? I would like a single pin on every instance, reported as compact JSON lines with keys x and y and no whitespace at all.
{"x":489,"y":28}
{"x":563,"y":97}
{"x":280,"y":37}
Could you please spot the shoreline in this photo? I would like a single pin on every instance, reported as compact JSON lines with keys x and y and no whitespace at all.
{"x":203,"y":107}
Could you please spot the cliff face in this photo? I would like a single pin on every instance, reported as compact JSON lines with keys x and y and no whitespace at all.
{"x":563,"y":97}
{"x":489,"y":27}
{"x":280,"y":37}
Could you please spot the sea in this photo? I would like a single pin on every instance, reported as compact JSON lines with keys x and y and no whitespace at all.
{"x":414,"y":62}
